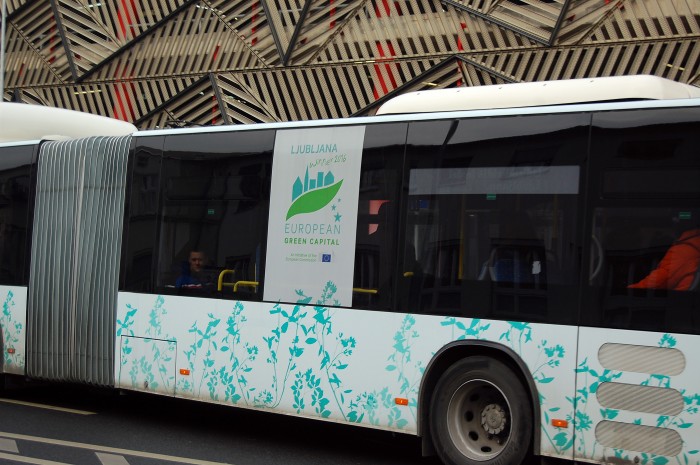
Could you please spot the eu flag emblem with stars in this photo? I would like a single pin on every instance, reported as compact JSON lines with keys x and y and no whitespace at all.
{"x":326,"y":258}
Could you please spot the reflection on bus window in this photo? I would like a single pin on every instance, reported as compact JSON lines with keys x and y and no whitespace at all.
{"x":375,"y":272}
{"x":491,"y":221}
{"x":643,"y":261}
{"x":213,"y":218}
{"x":375,"y":242}
{"x":15,"y":169}
{"x":504,"y":255}
{"x":645,"y":248}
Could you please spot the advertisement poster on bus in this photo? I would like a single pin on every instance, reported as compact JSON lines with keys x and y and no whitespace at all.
{"x":313,"y":214}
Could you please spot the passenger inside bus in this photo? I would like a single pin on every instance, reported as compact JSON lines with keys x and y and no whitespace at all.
{"x":193,"y":275}
{"x":678,"y":269}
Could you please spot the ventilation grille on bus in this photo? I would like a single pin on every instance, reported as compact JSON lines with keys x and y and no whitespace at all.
{"x":76,"y":240}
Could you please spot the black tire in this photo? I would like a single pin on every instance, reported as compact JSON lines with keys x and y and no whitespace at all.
{"x":480,"y":414}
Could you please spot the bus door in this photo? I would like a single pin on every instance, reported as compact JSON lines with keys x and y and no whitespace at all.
{"x":493,"y":223}
{"x":637,"y":392}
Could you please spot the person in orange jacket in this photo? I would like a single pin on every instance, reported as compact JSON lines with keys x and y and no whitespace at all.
{"x":676,"y":270}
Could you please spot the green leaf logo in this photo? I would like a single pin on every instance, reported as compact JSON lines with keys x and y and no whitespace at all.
{"x":314,"y":200}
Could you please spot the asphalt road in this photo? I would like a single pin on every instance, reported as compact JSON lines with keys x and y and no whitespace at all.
{"x":57,"y":425}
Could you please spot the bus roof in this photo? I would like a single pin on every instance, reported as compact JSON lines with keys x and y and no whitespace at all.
{"x":19,"y":121}
{"x":532,"y":94}
{"x":428,"y":116}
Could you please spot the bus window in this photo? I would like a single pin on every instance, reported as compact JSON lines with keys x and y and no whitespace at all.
{"x":644,"y":266}
{"x":141,"y":222}
{"x":645,"y":237}
{"x":491,"y":214}
{"x":15,"y":172}
{"x":215,"y":192}
{"x":376,"y":270}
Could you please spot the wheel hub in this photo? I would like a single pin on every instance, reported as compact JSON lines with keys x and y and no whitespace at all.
{"x":493,"y":419}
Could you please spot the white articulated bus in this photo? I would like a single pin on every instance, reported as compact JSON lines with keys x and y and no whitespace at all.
{"x":500,"y":281}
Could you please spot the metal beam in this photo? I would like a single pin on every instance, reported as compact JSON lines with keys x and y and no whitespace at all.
{"x":497,"y":22}
{"x":219,"y":98}
{"x":297,"y":31}
{"x":124,"y":48}
{"x":485,"y":69}
{"x":64,"y":40}
{"x":2,"y":52}
{"x":275,"y":37}
{"x":594,"y":26}
{"x":560,"y":19}
{"x":338,"y":30}
{"x":164,"y":105}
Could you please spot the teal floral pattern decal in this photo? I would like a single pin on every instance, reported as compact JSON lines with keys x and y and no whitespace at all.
{"x":460,"y":330}
{"x":399,"y":362}
{"x":301,"y":363}
{"x":148,"y":366}
{"x":316,"y":360}
{"x":543,"y":368}
{"x":12,"y":328}
{"x":591,"y":379}
{"x":303,"y":356}
{"x":589,"y":413}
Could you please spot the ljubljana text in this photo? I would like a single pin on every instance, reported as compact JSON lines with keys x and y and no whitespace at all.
{"x":313,"y":148}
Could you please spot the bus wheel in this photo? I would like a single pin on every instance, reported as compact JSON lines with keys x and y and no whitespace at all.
{"x":480,"y":414}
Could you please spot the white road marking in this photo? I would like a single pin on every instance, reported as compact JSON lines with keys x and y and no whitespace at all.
{"x":109,"y":450}
{"x":111,"y":459}
{"x":47,"y":407}
{"x":8,"y":445}
{"x":19,"y":458}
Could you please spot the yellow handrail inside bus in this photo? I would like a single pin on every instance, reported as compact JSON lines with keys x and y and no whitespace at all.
{"x":244,"y":283}
{"x":361,"y":290}
{"x":221,"y":284}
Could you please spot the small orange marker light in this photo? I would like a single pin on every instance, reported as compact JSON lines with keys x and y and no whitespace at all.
{"x":560,"y":423}
{"x":10,"y":350}
{"x":401,"y":401}
{"x":184,"y":371}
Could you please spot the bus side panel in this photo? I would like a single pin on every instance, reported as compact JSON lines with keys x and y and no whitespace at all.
{"x":13,"y":324}
{"x":638,"y":389}
{"x":637,"y":397}
{"x":343,"y":365}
